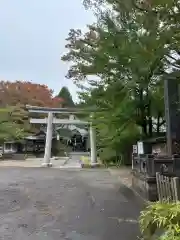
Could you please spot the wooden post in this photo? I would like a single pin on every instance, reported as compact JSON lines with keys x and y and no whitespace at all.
{"x":168,"y":188}
{"x":158,"y":186}
{"x":176,"y":189}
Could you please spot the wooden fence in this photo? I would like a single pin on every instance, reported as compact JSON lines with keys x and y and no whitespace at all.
{"x":168,"y":188}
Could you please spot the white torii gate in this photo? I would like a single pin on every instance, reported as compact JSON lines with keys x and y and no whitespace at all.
{"x":52,"y":120}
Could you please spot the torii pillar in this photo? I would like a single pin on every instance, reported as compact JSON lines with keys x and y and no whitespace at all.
{"x":92,"y":134}
{"x":48,"y":146}
{"x":50,"y":121}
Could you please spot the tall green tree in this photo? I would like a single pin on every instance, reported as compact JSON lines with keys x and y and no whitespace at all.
{"x":123,"y":59}
{"x":66,"y":96}
{"x":112,"y":54}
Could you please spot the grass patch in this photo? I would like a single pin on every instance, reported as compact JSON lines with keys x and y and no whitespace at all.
{"x":86,"y":163}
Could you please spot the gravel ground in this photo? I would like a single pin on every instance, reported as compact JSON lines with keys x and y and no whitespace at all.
{"x":54,"y":204}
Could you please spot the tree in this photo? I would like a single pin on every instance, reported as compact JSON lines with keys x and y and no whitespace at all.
{"x":123,"y":58}
{"x":116,"y":130}
{"x":13,"y":93}
{"x":14,"y":96}
{"x":96,"y":54}
{"x":66,"y":96}
{"x":14,"y":123}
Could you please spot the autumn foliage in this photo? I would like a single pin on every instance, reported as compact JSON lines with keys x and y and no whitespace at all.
{"x":23,"y":92}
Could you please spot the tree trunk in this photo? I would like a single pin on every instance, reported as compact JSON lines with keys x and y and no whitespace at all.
{"x":150,"y":123}
{"x":149,"y":115}
{"x":158,"y":124}
{"x":143,"y":112}
{"x":144,"y":127}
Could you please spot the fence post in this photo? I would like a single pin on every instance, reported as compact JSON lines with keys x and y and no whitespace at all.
{"x":176,"y":188}
{"x":168,"y":188}
{"x":159,"y":190}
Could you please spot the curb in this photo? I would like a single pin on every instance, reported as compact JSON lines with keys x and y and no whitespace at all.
{"x":129,"y":187}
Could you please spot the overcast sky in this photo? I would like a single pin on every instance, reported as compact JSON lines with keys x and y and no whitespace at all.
{"x":32,"y":39}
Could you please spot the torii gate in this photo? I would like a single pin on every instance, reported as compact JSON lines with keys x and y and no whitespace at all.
{"x":52,"y":120}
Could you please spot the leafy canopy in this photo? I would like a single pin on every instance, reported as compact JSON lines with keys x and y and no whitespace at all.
{"x":14,"y":118}
{"x":120,"y":64}
{"x":66,"y":97}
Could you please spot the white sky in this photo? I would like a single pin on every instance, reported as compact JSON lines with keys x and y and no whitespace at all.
{"x":33,"y":38}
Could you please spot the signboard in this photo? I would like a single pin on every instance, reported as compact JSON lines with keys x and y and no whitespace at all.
{"x":140,"y":148}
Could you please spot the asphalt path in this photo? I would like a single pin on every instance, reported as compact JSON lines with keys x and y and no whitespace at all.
{"x":59,"y":204}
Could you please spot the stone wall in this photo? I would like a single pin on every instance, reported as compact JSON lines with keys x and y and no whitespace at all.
{"x":159,"y":148}
{"x":144,"y":186}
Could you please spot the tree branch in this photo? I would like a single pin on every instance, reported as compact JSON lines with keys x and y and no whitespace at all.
{"x":5,"y":121}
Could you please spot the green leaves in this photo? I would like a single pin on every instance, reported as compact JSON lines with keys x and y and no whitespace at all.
{"x":14,"y":123}
{"x":162,"y":219}
{"x":66,"y":97}
{"x":120,"y":63}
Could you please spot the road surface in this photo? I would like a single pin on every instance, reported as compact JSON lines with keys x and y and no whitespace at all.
{"x":54,"y":204}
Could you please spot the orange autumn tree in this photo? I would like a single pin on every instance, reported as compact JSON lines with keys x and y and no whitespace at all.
{"x":14,"y":96}
{"x":24,"y":92}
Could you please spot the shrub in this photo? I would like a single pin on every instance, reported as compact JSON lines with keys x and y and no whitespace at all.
{"x":161,"y":221}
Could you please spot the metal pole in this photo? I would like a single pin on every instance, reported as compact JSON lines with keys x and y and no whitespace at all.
{"x":93,"y":145}
{"x":47,"y":154}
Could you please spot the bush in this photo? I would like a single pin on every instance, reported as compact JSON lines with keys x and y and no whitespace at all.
{"x":161,"y":221}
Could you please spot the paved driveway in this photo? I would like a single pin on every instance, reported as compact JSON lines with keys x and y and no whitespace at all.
{"x":54,"y":204}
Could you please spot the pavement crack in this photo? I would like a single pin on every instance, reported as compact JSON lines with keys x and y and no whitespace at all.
{"x":125,"y":220}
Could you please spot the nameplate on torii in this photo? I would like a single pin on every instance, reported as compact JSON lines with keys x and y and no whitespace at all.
{"x":58,"y":121}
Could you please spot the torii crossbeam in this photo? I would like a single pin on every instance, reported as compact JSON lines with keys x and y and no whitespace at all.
{"x":52,"y":120}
